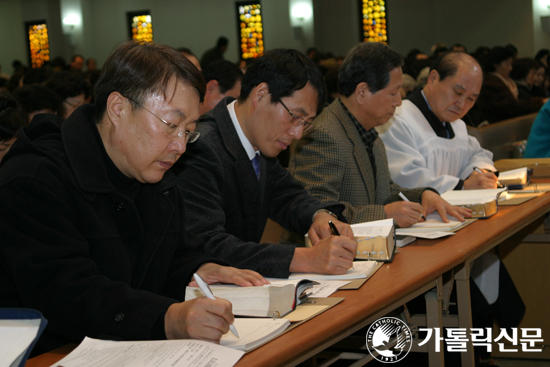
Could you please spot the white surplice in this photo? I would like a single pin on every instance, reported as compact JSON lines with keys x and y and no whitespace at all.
{"x":418,"y":157}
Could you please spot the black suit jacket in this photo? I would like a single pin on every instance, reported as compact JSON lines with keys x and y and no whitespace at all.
{"x":94,"y":260}
{"x":228,"y":207}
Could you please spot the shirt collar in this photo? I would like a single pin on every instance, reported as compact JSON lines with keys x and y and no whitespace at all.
{"x":244,"y":140}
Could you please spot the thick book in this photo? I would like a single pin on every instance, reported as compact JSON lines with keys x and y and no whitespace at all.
{"x":20,"y":329}
{"x":483,"y":203}
{"x":515,"y":179}
{"x":271,"y":300}
{"x":375,"y":240}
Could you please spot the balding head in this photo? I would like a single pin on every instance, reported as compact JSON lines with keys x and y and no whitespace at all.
{"x":453,"y":85}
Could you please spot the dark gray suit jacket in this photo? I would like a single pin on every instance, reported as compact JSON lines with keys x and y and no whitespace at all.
{"x":228,"y":207}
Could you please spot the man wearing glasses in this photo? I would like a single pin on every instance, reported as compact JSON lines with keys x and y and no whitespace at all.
{"x":92,"y":223}
{"x":232,"y":181}
{"x":343,"y":158}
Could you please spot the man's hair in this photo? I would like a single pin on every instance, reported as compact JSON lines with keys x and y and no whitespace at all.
{"x":140,"y":70}
{"x":285,"y":71}
{"x":447,"y":64}
{"x":222,"y":41}
{"x":522,"y":67}
{"x":367,"y":62}
{"x":36,"y":97}
{"x":11,"y":118}
{"x":224,"y":72}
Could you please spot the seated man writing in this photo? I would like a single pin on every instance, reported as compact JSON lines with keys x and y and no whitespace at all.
{"x":342,"y":158}
{"x":232,"y":181}
{"x":428,"y":143}
{"x":93,"y":224}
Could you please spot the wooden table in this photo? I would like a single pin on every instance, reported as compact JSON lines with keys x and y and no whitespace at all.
{"x":414,"y":271}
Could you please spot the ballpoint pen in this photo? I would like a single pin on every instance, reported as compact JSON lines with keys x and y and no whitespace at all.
{"x":405,"y":199}
{"x":208,"y":293}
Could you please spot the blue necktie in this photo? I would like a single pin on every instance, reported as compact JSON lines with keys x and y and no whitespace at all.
{"x":256,"y":165}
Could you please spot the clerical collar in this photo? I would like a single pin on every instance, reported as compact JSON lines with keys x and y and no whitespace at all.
{"x":442,"y":129}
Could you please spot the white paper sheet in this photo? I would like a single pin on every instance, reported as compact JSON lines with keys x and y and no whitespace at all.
{"x":154,"y":353}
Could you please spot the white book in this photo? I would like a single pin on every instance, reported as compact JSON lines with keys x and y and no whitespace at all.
{"x":515,"y":179}
{"x":471,"y":197}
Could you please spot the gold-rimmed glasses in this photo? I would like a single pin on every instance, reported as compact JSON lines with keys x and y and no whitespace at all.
{"x":190,"y":136}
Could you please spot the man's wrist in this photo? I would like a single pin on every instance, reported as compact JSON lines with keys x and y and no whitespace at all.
{"x":322,"y":211}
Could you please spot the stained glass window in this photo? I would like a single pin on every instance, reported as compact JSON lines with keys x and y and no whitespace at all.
{"x":251,"y":33}
{"x":374,"y":21}
{"x":39,"y":47}
{"x":141,"y":26}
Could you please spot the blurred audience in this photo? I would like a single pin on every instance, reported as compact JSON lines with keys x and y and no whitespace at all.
{"x":35,"y":99}
{"x":72,"y":89}
{"x":528,"y":75}
{"x":11,"y":120}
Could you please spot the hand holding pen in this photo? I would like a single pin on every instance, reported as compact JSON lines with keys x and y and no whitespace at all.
{"x":404,"y":198}
{"x":481,"y":179}
{"x":208,"y":293}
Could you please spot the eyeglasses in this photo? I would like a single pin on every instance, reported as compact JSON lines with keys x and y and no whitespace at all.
{"x":297,"y":120}
{"x":190,"y":136}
